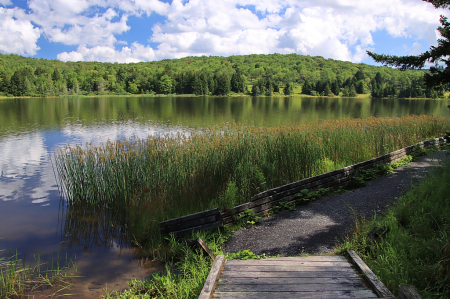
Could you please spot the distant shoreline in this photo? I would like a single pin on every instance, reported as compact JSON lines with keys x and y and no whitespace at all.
{"x":359,"y":96}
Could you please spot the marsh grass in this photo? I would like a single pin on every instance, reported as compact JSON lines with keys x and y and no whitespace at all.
{"x":168,"y":176}
{"x":17,"y":280}
{"x":410,"y":244}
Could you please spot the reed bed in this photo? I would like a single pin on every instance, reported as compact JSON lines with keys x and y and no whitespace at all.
{"x":176,"y":174}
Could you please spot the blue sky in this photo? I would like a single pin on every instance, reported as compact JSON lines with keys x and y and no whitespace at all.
{"x":146,"y":30}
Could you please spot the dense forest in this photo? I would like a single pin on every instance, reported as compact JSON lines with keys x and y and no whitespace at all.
{"x":248,"y":74}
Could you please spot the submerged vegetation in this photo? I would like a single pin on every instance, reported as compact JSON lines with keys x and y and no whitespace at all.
{"x":163,"y":177}
{"x":410,"y":244}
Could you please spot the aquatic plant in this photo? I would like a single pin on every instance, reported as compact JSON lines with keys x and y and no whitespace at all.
{"x":18,"y":279}
{"x":168,"y":176}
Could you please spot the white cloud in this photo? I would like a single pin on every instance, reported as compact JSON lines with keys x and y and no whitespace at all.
{"x":135,"y":53}
{"x":334,"y":29}
{"x":17,"y":35}
{"x":5,"y":2}
{"x":340,"y":29}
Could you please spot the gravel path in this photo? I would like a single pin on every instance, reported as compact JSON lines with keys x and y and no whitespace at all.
{"x":315,"y":228}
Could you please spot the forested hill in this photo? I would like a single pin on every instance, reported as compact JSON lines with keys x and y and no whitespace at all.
{"x":250,"y":74}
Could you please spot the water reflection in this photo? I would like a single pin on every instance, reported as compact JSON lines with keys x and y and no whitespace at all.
{"x":30,"y":216}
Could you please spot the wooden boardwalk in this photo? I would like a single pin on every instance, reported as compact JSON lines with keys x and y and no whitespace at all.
{"x":292,"y":277}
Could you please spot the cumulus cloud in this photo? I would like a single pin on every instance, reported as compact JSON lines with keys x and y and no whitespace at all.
{"x":6,"y":2}
{"x":17,"y":35}
{"x":339,"y":29}
{"x":135,"y":53}
{"x":333,"y":29}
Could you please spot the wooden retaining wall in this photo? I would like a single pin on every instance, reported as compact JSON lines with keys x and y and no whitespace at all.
{"x":262,"y":202}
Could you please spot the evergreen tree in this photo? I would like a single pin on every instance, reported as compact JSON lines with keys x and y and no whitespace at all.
{"x":288,"y":89}
{"x":255,"y":90}
{"x":307,"y":88}
{"x":327,"y":90}
{"x":223,"y":84}
{"x":437,"y":76}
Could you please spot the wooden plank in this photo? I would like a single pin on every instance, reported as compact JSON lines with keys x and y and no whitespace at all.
{"x":198,"y":228}
{"x":290,"y":274}
{"x":213,"y":276}
{"x":373,"y":280}
{"x":312,"y":258}
{"x":290,"y":287}
{"x":189,"y":217}
{"x":408,"y":292}
{"x":286,"y":281}
{"x":271,"y":268}
{"x":295,"y":295}
{"x":205,"y":247}
{"x":190,"y":223}
{"x":291,"y":263}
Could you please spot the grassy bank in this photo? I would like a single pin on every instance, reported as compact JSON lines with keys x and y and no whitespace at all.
{"x":163,"y":177}
{"x":415,"y":246}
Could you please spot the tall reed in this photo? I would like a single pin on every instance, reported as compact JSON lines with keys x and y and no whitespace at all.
{"x":176,"y":174}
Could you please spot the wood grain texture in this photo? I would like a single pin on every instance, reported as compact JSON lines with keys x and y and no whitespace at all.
{"x":372,"y":279}
{"x":297,"y":295}
{"x":189,"y":217}
{"x":280,"y":288}
{"x":290,"y":274}
{"x":288,"y":263}
{"x":213,"y":277}
{"x":198,"y":228}
{"x":281,"y":268}
{"x":408,"y":292}
{"x":288,"y":281}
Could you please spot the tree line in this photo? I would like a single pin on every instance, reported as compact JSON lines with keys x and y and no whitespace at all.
{"x":248,"y":74}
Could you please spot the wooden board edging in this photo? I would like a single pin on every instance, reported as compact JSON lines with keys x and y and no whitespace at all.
{"x":381,"y":290}
{"x":408,"y":292}
{"x":213,"y":276}
{"x":262,"y":202}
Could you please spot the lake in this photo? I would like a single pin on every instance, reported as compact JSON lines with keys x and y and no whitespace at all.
{"x":34,"y":218}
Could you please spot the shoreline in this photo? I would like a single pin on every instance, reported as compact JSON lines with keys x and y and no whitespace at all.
{"x":359,"y":96}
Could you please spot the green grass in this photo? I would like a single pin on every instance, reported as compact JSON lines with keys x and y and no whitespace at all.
{"x":150,"y":180}
{"x":17,"y":279}
{"x":415,"y":248}
{"x":186,"y":271}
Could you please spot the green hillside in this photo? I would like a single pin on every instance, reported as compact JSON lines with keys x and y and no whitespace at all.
{"x":249,"y":74}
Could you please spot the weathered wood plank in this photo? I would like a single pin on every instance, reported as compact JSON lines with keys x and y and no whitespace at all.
{"x":408,"y":292}
{"x":213,"y":276}
{"x":290,"y":274}
{"x":296,"y":295}
{"x":190,"y":223}
{"x":312,"y":258}
{"x":275,"y":268}
{"x":373,"y":280}
{"x":286,"y":281}
{"x":198,"y":228}
{"x":189,"y":217}
{"x":291,"y":287}
{"x":205,"y":247}
{"x":288,"y":263}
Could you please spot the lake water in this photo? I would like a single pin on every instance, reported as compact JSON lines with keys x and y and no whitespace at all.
{"x":33,"y":217}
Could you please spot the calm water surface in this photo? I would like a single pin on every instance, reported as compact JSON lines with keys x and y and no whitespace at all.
{"x":32,"y":217}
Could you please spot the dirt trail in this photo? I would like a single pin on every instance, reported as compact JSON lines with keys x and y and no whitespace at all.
{"x":315,"y":228}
